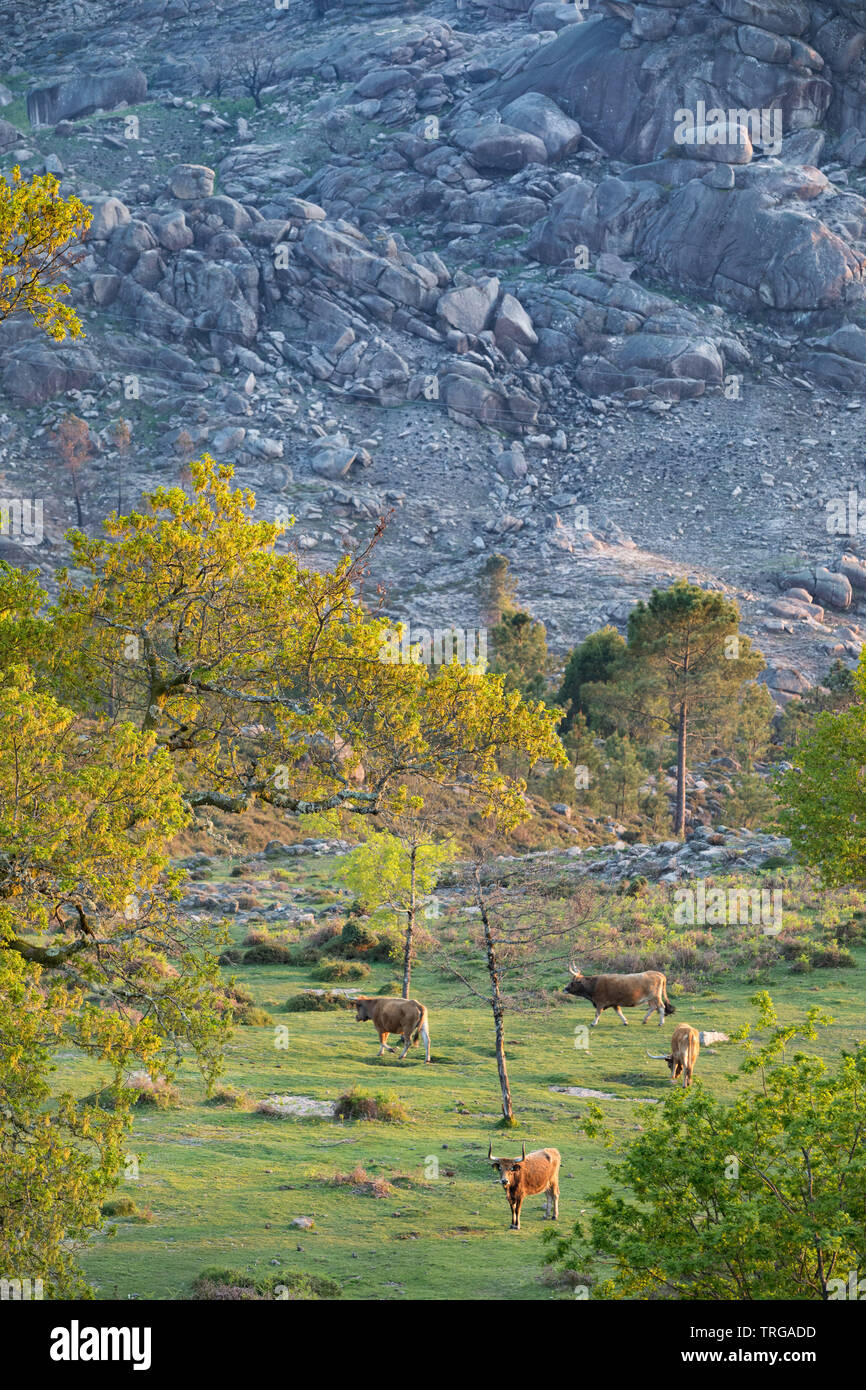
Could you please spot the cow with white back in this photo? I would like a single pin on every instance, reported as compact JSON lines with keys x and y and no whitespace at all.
{"x":404,"y":1016}
{"x":648,"y":988}
{"x":526,"y":1177}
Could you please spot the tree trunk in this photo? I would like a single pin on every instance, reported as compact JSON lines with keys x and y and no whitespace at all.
{"x":497,"y":1007}
{"x":77,"y":495}
{"x":680,"y":819}
{"x":410,"y":924}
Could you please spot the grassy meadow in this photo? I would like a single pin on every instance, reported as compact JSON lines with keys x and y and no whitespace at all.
{"x":220,"y":1186}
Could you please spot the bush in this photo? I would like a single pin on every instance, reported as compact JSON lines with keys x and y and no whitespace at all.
{"x":831,"y":954}
{"x":233,"y":956}
{"x":358,"y":941}
{"x":637,"y":886}
{"x":152,"y":1090}
{"x":309,"y":1002}
{"x":257,"y":936}
{"x":362,"y":1184}
{"x":367,"y":1105}
{"x":229,"y":1096}
{"x":268,"y":954}
{"x":342,"y":970}
{"x":232,"y":1284}
{"x":125,"y":1207}
{"x":253,"y":1017}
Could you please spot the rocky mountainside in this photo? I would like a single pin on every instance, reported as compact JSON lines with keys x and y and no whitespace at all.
{"x":578,"y":283}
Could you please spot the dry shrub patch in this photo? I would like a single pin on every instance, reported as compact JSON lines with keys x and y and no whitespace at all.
{"x":233,"y":1285}
{"x":368,"y":1105}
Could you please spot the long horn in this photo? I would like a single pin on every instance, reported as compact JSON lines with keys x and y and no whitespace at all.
{"x":659,"y":1056}
{"x":571,"y":969}
{"x":490,"y":1149}
{"x":523,"y":1155}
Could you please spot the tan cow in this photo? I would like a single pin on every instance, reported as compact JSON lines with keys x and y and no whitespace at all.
{"x":685,"y":1046}
{"x":647,"y":987}
{"x":526,"y":1177}
{"x":389,"y":1015}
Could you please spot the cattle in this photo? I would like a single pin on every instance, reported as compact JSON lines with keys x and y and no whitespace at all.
{"x":622,"y":991}
{"x":526,"y":1177}
{"x":685,"y":1046}
{"x":404,"y":1016}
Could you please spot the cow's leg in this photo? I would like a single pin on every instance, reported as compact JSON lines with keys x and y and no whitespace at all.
{"x":554,"y":1193}
{"x":515,"y":1213}
{"x":651,"y":1010}
{"x":425,"y":1038}
{"x":597,"y":1017}
{"x":407,"y":1039}
{"x":622,"y":1015}
{"x":383,"y":1044}
{"x":661,"y":1014}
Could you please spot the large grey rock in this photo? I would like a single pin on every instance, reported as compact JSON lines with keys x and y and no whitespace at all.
{"x":502,"y":147}
{"x":38,"y":371}
{"x":779,"y":16}
{"x":189,"y":182}
{"x":343,"y":252}
{"x":10,"y":136}
{"x":173,"y":233}
{"x":108,"y":214}
{"x":539,"y":116}
{"x":513,"y":327}
{"x":470,"y":308}
{"x":85,"y":92}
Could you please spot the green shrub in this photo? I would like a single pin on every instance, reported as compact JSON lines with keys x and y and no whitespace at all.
{"x":253,"y":1017}
{"x":310,"y":1002}
{"x":342,"y":970}
{"x":233,"y":956}
{"x":125,"y":1207}
{"x":268,"y":954}
{"x":368,"y":1105}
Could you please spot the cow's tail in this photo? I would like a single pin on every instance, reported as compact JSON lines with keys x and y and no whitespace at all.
{"x":422,"y":1023}
{"x":669,"y":1008}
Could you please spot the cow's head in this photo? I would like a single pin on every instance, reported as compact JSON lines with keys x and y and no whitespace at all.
{"x":509,"y":1168}
{"x":361,"y":1014}
{"x":577,"y":984}
{"x":676,"y":1067}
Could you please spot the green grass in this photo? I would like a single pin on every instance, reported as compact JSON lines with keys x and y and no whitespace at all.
{"x":224,"y":1184}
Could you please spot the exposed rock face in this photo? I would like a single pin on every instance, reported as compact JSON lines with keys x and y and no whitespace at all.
{"x":627,"y":101}
{"x":563,"y":257}
{"x":747,"y":245}
{"x":86,"y":92}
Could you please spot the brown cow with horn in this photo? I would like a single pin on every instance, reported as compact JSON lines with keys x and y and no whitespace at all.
{"x":648,"y":988}
{"x":685,"y":1046}
{"x":526,"y":1177}
{"x":407,"y":1017}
